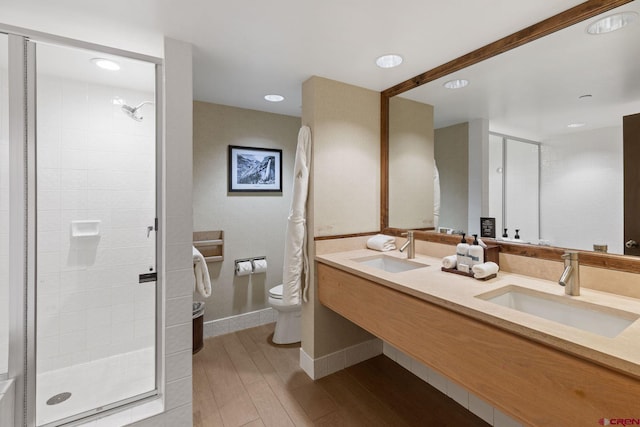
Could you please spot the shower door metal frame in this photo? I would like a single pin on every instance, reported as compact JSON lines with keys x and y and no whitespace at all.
{"x":504,"y":139}
{"x":22,"y":259}
{"x":22,"y":287}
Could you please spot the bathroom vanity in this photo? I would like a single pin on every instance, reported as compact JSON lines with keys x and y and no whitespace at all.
{"x":540,"y":371}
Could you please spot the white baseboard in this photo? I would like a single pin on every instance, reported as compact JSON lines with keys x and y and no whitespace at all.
{"x":334,"y":362}
{"x":213,"y":328}
{"x":463,"y":397}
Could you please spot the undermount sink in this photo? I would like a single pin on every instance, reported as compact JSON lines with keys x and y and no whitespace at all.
{"x":601,"y":320}
{"x":389,"y":264}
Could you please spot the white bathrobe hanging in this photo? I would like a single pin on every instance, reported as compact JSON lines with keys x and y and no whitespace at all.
{"x":296,"y":261}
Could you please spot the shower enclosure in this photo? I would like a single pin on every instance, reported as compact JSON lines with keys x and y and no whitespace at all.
{"x":78,"y":218}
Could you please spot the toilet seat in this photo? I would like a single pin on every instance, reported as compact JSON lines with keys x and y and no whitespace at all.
{"x":276,"y":292}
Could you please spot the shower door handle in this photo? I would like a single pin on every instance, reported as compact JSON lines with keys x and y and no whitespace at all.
{"x":153,"y":227}
{"x":148,"y":277}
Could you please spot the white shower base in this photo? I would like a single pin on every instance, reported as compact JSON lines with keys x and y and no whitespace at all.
{"x":94,"y":384}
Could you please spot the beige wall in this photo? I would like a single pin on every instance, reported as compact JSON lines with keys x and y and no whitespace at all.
{"x":344,"y":192}
{"x":452,"y":158}
{"x":254,"y":223}
{"x":345,"y":122}
{"x":410,"y":164}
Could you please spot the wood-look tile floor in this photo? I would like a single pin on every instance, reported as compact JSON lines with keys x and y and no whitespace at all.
{"x":241,"y":379}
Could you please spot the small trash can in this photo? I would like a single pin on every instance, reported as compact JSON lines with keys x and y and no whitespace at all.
{"x":198,"y":330}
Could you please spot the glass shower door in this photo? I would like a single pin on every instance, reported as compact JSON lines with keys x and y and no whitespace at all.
{"x":96,"y":232}
{"x":522,"y":189}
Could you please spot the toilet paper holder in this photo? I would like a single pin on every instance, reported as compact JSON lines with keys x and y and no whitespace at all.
{"x":251,"y":260}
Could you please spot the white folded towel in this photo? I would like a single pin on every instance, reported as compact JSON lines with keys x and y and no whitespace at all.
{"x":380,"y":242}
{"x":202,"y":283}
{"x":449,"y":261}
{"x":480,"y":271}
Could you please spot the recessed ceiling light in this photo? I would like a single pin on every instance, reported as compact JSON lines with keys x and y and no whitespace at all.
{"x":456,"y":84}
{"x":389,"y":61}
{"x":612,"y":23}
{"x":274,"y":98}
{"x":575,"y":125}
{"x":106,"y":64}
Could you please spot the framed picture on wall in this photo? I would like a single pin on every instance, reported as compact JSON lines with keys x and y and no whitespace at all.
{"x":254,"y":169}
{"x":488,"y":227}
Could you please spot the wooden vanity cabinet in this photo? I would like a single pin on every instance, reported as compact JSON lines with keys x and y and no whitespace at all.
{"x":531,"y":382}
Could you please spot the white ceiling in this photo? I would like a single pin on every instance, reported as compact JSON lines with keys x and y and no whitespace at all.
{"x":244,"y":49}
{"x":533,"y":91}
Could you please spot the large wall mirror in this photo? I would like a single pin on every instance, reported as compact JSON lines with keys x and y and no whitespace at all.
{"x":563,"y":95}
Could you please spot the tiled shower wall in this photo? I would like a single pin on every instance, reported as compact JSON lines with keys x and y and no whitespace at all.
{"x":93,"y":163}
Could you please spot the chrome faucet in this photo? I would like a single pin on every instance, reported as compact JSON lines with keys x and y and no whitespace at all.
{"x":411,"y":243}
{"x":570,"y":278}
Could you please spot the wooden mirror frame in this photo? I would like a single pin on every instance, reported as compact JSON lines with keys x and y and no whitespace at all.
{"x":574,"y":15}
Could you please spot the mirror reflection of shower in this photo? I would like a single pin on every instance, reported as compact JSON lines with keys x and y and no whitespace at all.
{"x":134,"y":112}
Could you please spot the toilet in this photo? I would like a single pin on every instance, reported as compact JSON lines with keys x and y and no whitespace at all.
{"x":288,"y":323}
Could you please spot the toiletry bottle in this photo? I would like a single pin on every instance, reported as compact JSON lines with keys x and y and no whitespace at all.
{"x":476,"y":252}
{"x":462,"y":251}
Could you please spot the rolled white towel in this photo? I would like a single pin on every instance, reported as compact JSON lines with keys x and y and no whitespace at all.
{"x":383,"y":243}
{"x":480,"y":271}
{"x":202,"y":281}
{"x":449,"y":261}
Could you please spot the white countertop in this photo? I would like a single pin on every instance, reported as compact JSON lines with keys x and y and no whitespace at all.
{"x":458,"y":293}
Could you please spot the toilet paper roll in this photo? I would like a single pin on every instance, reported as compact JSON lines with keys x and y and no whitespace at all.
{"x":244,"y":268}
{"x":260,"y":266}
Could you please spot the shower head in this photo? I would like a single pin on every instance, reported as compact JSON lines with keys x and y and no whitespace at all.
{"x":133,"y":111}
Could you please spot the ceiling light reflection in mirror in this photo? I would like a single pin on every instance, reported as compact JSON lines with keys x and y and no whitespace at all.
{"x":533,"y":91}
{"x":612,"y":23}
{"x":389,"y":61}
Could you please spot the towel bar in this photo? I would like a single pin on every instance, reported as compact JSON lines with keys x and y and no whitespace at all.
{"x":214,"y":242}
{"x":214,"y":258}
